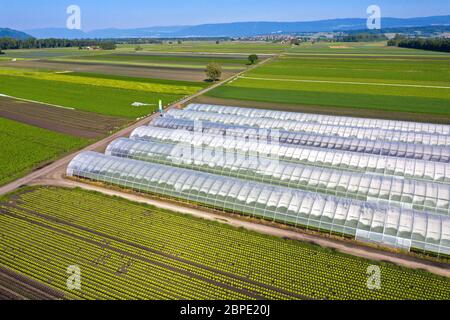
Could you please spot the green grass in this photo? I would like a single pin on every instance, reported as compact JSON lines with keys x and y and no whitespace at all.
{"x":211,"y":47}
{"x":358,"y":48}
{"x":46,"y":53}
{"x":99,"y":94}
{"x":426,"y":71}
{"x":132,"y":251}
{"x":275,"y":82}
{"x":25,"y":147}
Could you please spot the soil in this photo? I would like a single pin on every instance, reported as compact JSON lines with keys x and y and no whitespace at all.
{"x":14,"y":286}
{"x":72,"y":122}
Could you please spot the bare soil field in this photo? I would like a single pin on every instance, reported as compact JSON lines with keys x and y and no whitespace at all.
{"x":71,"y":122}
{"x":14,"y":286}
{"x":181,"y":74}
{"x":338,"y":111}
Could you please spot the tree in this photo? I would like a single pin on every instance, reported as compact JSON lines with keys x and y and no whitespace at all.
{"x":108,"y":45}
{"x":436,"y":44}
{"x":213,"y":71}
{"x":252,"y":58}
{"x":138,"y":48}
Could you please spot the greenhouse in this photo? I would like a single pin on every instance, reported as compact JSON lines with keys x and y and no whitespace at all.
{"x":397,"y":227}
{"x":305,"y":127}
{"x":418,"y":195}
{"x":406,"y":126}
{"x":336,"y":159}
{"x":378,"y":147}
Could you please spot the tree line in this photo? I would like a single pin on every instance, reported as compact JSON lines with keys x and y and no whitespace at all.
{"x":10,"y":43}
{"x":362,"y":37}
{"x":435,"y":44}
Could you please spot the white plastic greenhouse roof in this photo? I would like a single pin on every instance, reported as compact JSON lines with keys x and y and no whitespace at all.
{"x":343,"y":160}
{"x":378,"y":147}
{"x":406,"y":193}
{"x":365,"y":221}
{"x":295,"y":137}
{"x":409,"y":127}
{"x":305,"y":127}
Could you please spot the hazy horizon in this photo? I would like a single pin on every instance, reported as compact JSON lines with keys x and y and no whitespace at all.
{"x":21,"y":15}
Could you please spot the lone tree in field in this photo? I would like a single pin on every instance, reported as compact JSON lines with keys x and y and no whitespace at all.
{"x":213,"y":71}
{"x":252,"y":58}
{"x":108,"y":45}
{"x":138,"y":48}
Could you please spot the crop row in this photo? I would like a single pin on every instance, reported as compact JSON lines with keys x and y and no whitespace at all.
{"x":290,"y":266}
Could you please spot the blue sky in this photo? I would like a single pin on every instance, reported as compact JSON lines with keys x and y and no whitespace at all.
{"x":101,"y":14}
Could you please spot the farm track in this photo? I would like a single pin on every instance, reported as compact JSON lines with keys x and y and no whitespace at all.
{"x":72,"y":122}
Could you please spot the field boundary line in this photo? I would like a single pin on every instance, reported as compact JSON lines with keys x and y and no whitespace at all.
{"x":34,"y":101}
{"x":348,"y":82}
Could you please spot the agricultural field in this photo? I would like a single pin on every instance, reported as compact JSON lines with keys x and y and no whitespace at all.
{"x":66,"y":121}
{"x":44,"y":53}
{"x":25,"y":147}
{"x":128,"y":62}
{"x":101,"y":94}
{"x":242,"y":47}
{"x":176,"y":74}
{"x":410,"y":85}
{"x":166,"y":60}
{"x":131,"y":251}
{"x":358,"y":48}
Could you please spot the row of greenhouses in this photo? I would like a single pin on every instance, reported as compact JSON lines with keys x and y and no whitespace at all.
{"x":324,"y":129}
{"x":419,"y":195}
{"x":360,"y":186}
{"x":383,"y":224}
{"x":351,"y":161}
{"x":378,"y":147}
{"x":409,"y":127}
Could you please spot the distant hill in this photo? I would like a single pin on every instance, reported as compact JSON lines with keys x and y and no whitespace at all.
{"x":240,"y":29}
{"x":59,"y":33}
{"x":10,"y":33}
{"x":152,"y":32}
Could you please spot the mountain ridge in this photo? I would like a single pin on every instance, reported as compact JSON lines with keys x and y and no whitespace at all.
{"x":15,"y":34}
{"x":239,"y":29}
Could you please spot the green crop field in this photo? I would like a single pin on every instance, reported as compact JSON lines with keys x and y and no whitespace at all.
{"x":24,"y":147}
{"x":131,"y":251}
{"x":165,"y":61}
{"x":46,"y":53}
{"x":211,"y":47}
{"x":108,"y":95}
{"x":357,"y":48}
{"x":418,"y":84}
